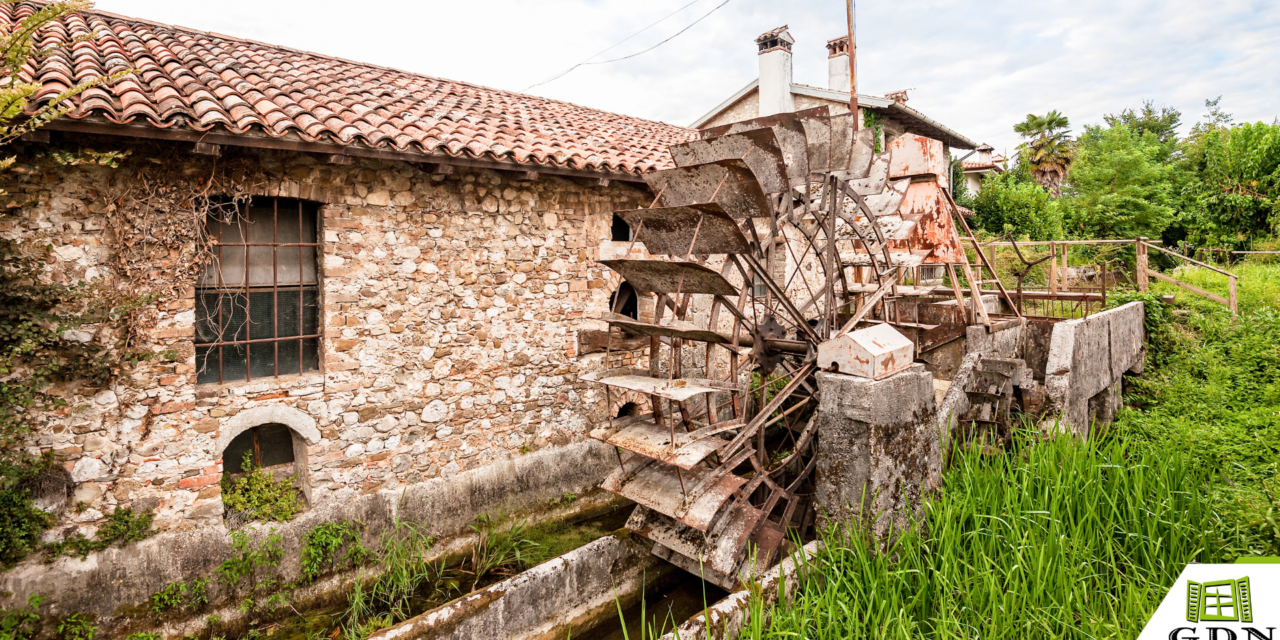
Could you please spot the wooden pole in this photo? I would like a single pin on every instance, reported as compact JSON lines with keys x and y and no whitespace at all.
{"x":1231,"y":292}
{"x":1143,"y":279}
{"x":1053,"y":271}
{"x":1064,"y":267}
{"x":852,"y":5}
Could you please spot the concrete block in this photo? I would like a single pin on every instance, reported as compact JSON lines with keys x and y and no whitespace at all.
{"x":1087,"y":359}
{"x":876,"y":352}
{"x":878,"y":448}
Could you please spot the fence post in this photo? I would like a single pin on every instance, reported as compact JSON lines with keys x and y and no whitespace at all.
{"x":1141,"y":247}
{"x":1231,"y":291}
{"x":1053,"y":268}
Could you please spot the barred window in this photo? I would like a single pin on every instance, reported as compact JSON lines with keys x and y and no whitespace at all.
{"x":257,"y":304}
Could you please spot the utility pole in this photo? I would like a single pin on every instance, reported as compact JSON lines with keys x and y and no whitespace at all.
{"x":853,"y":65}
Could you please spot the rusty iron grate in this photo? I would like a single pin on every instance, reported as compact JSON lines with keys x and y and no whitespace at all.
{"x":258,"y":302}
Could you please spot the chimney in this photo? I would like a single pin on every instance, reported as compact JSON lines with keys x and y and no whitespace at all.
{"x":838,"y":64}
{"x":984,"y":153}
{"x":775,"y":71}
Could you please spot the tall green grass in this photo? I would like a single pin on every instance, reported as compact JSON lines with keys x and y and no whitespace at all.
{"x":1215,"y":400}
{"x":1056,"y":540}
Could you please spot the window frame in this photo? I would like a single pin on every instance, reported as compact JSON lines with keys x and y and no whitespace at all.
{"x":246,"y":286}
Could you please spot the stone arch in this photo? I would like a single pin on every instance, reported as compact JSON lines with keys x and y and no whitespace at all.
{"x":301,"y":423}
{"x":301,"y":426}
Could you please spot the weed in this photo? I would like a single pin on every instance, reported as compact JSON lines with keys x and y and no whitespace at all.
{"x":404,"y":578}
{"x":565,"y":499}
{"x":257,"y":496}
{"x":498,"y":549}
{"x":248,"y":561}
{"x":77,"y":626}
{"x":20,"y":624}
{"x":322,"y":544}
{"x":123,"y":526}
{"x":142,"y":635}
{"x":168,"y":598}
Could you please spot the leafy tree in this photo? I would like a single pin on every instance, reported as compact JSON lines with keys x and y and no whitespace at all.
{"x":1239,"y":186}
{"x":1047,"y":151}
{"x":1121,"y":187}
{"x":1008,"y":205}
{"x":1163,"y":123}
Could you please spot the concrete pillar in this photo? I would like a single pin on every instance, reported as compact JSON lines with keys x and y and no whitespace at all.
{"x":878,"y":447}
{"x":775,"y":72}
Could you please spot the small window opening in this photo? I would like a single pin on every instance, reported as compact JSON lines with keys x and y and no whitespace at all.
{"x":620,"y":231}
{"x":624,"y":302}
{"x":627,"y":410}
{"x":265,"y":446}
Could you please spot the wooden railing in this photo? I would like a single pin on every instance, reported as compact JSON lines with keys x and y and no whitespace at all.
{"x":1145,"y":273}
{"x":1048,"y":298}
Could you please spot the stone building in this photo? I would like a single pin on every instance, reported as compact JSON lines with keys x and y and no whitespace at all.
{"x":365,"y":277}
{"x":774,"y":91}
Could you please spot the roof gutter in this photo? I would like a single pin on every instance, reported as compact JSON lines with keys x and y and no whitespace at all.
{"x":355,"y":151}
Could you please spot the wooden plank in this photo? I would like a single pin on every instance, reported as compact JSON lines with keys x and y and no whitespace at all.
{"x":1143,"y":280}
{"x":1191,"y":260}
{"x":1192,"y":289}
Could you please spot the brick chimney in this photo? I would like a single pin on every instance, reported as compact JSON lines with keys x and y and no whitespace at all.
{"x":838,"y":64}
{"x":775,"y":71}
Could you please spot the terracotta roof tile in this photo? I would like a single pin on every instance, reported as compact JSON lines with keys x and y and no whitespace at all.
{"x":188,"y":79}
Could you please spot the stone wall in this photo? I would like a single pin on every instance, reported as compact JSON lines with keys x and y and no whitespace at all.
{"x":450,"y":310}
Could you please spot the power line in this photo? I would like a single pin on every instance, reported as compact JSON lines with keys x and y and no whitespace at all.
{"x":587,"y":61}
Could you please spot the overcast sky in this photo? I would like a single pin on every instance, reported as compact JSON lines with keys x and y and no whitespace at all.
{"x":976,"y":66}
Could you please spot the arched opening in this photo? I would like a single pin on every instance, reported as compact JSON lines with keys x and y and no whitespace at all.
{"x":273,"y":450}
{"x":627,"y":410}
{"x":619,"y":231}
{"x":266,"y":446}
{"x":625,"y":302}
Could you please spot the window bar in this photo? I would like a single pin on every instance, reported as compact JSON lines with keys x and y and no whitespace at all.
{"x":218,"y":301}
{"x":248,"y":322}
{"x":301,"y":297}
{"x":275,"y":279}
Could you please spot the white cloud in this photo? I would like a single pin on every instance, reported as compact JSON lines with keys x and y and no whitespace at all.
{"x":978,"y":67}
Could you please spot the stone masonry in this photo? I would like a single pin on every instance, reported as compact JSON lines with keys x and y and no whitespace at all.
{"x":450,"y":310}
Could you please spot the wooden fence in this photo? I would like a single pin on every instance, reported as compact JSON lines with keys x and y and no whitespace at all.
{"x":1068,"y":292}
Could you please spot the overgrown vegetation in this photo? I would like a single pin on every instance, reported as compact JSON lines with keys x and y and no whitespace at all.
{"x":122,"y":526}
{"x":256,"y":495}
{"x":331,"y":546}
{"x":21,"y":624}
{"x":1071,"y":540}
{"x":1055,"y":540}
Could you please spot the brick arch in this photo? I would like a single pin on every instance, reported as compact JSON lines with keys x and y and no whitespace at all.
{"x":621,"y":397}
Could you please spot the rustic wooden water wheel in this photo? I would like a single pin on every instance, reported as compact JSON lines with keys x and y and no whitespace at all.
{"x":770,"y":237}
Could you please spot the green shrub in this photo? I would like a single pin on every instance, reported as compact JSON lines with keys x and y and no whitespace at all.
{"x":20,"y":624}
{"x":20,"y":525}
{"x":123,"y":526}
{"x":77,"y":626}
{"x":322,"y":544}
{"x":257,"y":496}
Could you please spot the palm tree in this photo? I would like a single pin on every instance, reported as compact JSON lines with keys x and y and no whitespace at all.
{"x":1048,"y":148}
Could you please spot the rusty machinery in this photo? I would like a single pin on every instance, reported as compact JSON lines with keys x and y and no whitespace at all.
{"x":770,"y":237}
